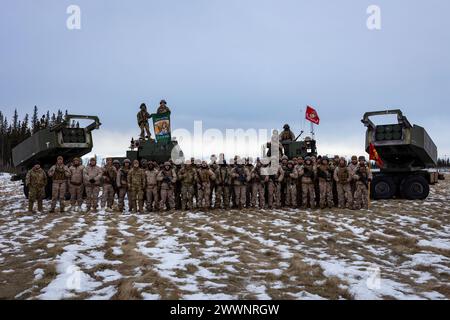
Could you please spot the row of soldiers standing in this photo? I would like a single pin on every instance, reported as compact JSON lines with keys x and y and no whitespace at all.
{"x":310,"y":182}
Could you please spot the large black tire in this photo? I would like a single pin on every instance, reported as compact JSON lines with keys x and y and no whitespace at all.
{"x":383,"y":187}
{"x":415,"y":188}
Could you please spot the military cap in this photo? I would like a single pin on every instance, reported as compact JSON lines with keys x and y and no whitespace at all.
{"x":127,"y":161}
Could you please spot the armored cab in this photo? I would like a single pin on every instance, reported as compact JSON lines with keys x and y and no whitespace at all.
{"x":47,"y":144}
{"x":294,"y":149}
{"x":408,"y":154}
{"x":152,"y":150}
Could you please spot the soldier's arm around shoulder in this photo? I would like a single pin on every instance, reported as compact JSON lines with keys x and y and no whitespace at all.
{"x":45,"y":179}
{"x":51,"y":171}
{"x":160,"y":176}
{"x":67,"y":172}
{"x":174,"y":176}
{"x":335,"y":175}
{"x":247,"y":175}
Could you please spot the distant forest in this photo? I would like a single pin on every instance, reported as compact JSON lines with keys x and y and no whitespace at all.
{"x":15,"y":130}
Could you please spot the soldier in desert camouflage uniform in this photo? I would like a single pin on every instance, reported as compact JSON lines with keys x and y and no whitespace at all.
{"x":59,"y":174}
{"x":205,"y":176}
{"x":343,"y":178}
{"x":362,"y":177}
{"x":325,"y":174}
{"x":92,"y":175}
{"x":151,"y":182}
{"x":76,"y":186}
{"x":308,"y":173}
{"x":290,"y":177}
{"x":241,"y":177}
{"x":167,"y":177}
{"x":258,"y":182}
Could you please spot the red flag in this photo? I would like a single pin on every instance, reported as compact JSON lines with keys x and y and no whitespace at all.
{"x":311,"y":115}
{"x":375,"y":156}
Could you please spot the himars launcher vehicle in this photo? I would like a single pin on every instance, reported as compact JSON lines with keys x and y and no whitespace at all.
{"x":49,"y":143}
{"x":408,"y":153}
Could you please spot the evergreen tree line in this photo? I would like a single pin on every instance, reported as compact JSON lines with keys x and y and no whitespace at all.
{"x":14,"y":131}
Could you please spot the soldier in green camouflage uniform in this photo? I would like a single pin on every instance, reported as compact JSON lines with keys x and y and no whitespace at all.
{"x":136,"y":187}
{"x":308,"y":174}
{"x":36,"y":180}
{"x":142,"y":118}
{"x":122,"y":183}
{"x":109,"y":184}
{"x":188,"y":179}
{"x":223,"y":185}
{"x":167,"y":177}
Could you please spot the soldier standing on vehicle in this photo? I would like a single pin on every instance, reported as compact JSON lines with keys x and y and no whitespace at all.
{"x":163,"y":108}
{"x":223,"y":185}
{"x":362,"y":176}
{"x":151,"y":183}
{"x":136,"y":187}
{"x":142,"y":118}
{"x":188,"y":178}
{"x":205,"y":176}
{"x":92,"y":176}
{"x":287,"y":135}
{"x":122,"y":183}
{"x":36,"y":181}
{"x":241,"y":177}
{"x":109,"y":183}
{"x":167,"y":177}
{"x":76,"y":187}
{"x":258,"y":182}
{"x":308,"y":175}
{"x":59,"y":174}
{"x":325,"y":175}
{"x":343,"y":178}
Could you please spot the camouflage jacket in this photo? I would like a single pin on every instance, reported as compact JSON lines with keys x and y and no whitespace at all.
{"x":151,"y":177}
{"x":136,"y":178}
{"x":93,"y":173}
{"x":223,"y":175}
{"x":76,"y":175}
{"x":343,"y":175}
{"x":241,"y":176}
{"x":167,"y":178}
{"x":143,"y":117}
{"x":59,"y":173}
{"x":109,"y":174}
{"x":36,"y":178}
{"x":187,"y":176}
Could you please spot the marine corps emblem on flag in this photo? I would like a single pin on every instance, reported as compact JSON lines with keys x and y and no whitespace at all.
{"x":311,"y":115}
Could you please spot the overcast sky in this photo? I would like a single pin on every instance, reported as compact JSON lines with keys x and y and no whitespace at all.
{"x":230,"y":63}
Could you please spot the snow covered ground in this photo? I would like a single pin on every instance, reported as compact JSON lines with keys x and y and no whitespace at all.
{"x":397,"y":250}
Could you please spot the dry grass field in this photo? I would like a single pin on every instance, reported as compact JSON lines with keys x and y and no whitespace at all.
{"x":397,"y":250}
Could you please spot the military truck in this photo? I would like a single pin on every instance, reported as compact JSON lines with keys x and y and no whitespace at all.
{"x":152,"y":150}
{"x":409,"y":156}
{"x":47,"y":144}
